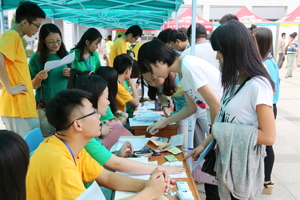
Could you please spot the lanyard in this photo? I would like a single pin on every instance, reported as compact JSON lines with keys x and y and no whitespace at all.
{"x":97,"y":139}
{"x":89,"y":67}
{"x":69,"y":150}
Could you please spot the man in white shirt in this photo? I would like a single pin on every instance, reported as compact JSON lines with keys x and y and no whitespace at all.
{"x":281,"y":50}
{"x":203,"y":47}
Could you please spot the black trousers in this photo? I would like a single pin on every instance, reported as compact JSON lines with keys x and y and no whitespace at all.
{"x":280,"y":60}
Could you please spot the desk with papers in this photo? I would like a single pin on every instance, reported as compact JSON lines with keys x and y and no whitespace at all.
{"x":160,"y":160}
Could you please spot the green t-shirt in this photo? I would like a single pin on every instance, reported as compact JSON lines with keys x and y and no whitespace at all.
{"x":129,"y":109}
{"x":55,"y":82}
{"x":98,"y":152}
{"x":81,"y":65}
{"x":108,"y":115}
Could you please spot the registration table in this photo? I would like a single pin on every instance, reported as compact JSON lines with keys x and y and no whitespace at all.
{"x":161,"y":159}
{"x":140,"y":129}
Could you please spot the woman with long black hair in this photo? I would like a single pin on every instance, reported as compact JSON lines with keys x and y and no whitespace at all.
{"x":48,"y":83}
{"x":264,"y":40}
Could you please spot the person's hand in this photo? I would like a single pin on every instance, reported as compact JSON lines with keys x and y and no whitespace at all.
{"x":154,"y":128}
{"x":167,"y":111}
{"x":126,"y":149}
{"x":18,"y":89}
{"x":120,"y":113}
{"x":157,"y":184}
{"x":105,"y":57}
{"x":42,"y":75}
{"x":105,"y":130}
{"x":66,"y":72}
{"x":105,"y":122}
{"x":174,"y":169}
{"x":195,"y":154}
{"x":131,"y":83}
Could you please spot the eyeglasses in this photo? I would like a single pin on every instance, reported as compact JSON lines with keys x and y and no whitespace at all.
{"x":30,"y":22}
{"x":94,"y":112}
{"x":54,"y":43}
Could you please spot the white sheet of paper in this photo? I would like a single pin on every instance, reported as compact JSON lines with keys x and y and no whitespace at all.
{"x":147,"y":105}
{"x":123,"y":195}
{"x":57,"y":63}
{"x":133,"y":122}
{"x":92,"y":193}
{"x":137,"y":143}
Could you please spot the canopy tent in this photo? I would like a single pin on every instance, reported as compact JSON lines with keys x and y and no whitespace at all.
{"x":185,"y":20}
{"x":108,"y":14}
{"x":292,"y":17}
{"x":246,"y":16}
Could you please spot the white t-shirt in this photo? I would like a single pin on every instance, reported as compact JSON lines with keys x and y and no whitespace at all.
{"x":196,"y":73}
{"x":204,"y":51}
{"x":241,"y":109}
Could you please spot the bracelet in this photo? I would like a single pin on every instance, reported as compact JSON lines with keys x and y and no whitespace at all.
{"x":122,"y":116}
{"x":164,"y":107}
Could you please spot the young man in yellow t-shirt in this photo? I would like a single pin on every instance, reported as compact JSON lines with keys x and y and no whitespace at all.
{"x":17,"y":103}
{"x":60,"y":165}
{"x":119,"y":47}
{"x":123,"y":65}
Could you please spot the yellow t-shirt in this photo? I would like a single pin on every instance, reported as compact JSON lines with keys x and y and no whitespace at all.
{"x":136,"y":49}
{"x":20,"y":105}
{"x":123,"y":96}
{"x":118,"y":48}
{"x":53,"y":175}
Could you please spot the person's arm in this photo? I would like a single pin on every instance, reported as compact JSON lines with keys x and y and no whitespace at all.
{"x":136,"y":99}
{"x":164,"y":103}
{"x":266,"y":123}
{"x":37,"y":81}
{"x":211,"y":99}
{"x":185,"y":112}
{"x":128,"y":166}
{"x":283,"y":47}
{"x":153,"y":188}
{"x":13,"y":90}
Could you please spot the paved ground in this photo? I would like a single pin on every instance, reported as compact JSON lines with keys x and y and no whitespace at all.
{"x":286,"y":176}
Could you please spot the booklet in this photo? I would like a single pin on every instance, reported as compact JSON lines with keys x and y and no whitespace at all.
{"x":92,"y":193}
{"x":210,"y":147}
{"x":57,"y":63}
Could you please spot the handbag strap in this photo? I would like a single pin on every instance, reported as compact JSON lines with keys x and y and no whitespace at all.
{"x":41,"y":93}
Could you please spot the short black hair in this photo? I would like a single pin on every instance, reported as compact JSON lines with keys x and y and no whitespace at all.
{"x":177,"y":35}
{"x":92,"y":83}
{"x":135,"y":30}
{"x":183,"y":29}
{"x":14,"y":160}
{"x":29,"y":11}
{"x":153,"y":51}
{"x":62,"y":105}
{"x":293,"y":35}
{"x":200,"y":31}
{"x":129,"y":52}
{"x":227,"y":18}
{"x":283,"y":34}
{"x":163,"y":35}
{"x":122,"y":62}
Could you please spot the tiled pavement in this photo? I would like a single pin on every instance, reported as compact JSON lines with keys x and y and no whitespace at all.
{"x":286,"y":171}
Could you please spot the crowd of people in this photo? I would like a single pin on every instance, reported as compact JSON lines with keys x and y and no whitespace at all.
{"x":230,"y":87}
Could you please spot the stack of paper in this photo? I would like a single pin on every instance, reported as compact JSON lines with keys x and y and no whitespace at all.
{"x":137,"y":142}
{"x":92,"y":193}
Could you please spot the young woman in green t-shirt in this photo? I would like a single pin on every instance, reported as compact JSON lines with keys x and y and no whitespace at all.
{"x":86,"y":56}
{"x":48,"y":83}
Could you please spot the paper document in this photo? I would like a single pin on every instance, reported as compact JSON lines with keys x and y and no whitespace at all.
{"x":92,"y":193}
{"x":147,"y":105}
{"x":57,"y":63}
{"x":210,"y":147}
{"x":137,"y":143}
{"x":133,"y":122}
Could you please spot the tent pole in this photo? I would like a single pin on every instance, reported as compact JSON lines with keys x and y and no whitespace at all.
{"x":176,"y":20}
{"x":77,"y":30}
{"x":190,"y":137}
{"x":2,"y":18}
{"x":53,"y":22}
{"x":168,"y":19}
